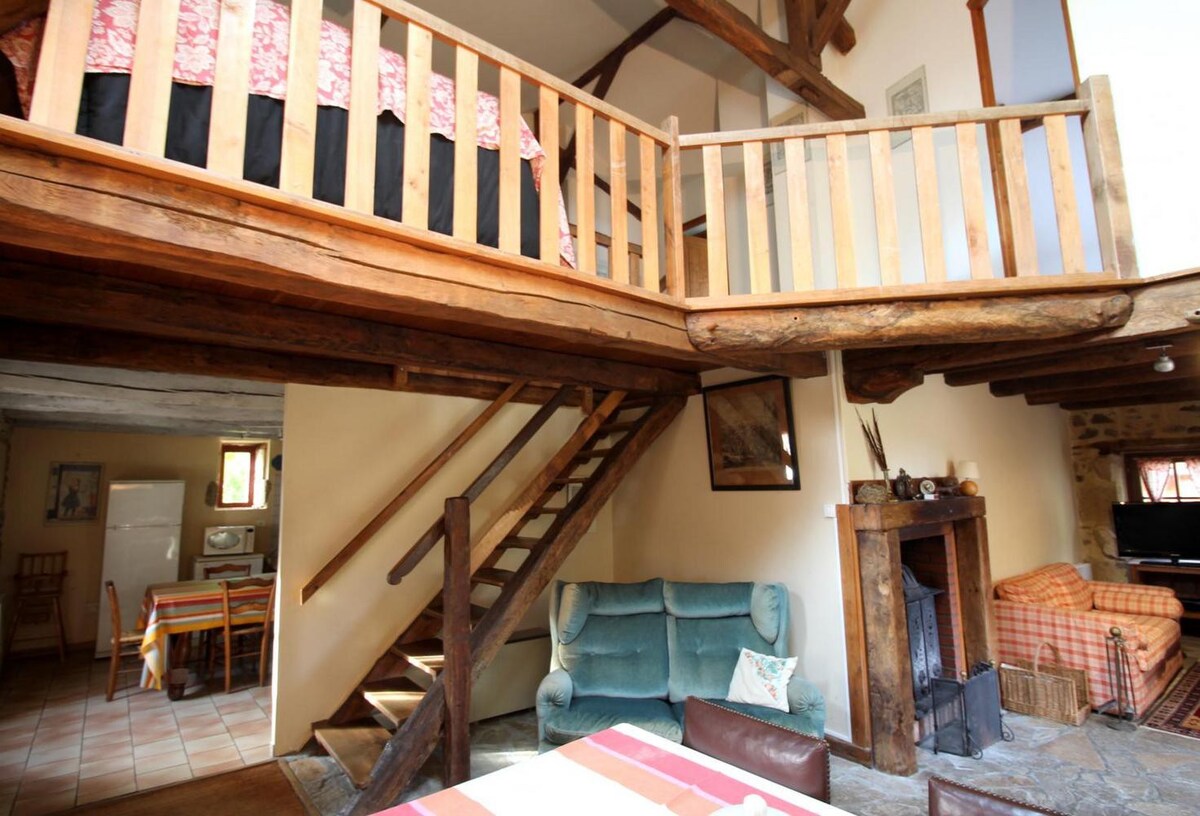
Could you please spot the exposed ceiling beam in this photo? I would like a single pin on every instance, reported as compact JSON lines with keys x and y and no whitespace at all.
{"x":642,"y":33}
{"x":1186,"y":368}
{"x":844,"y":39}
{"x":91,"y":347}
{"x":1122,"y":402}
{"x":796,"y":73}
{"x":1177,"y":390}
{"x":32,"y":292}
{"x":801,"y":18}
{"x":141,"y":424}
{"x":827,"y":23}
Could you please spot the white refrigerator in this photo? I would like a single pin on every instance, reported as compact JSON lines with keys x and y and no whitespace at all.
{"x":141,"y":547}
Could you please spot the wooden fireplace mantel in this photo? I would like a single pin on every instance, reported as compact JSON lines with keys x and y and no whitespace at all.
{"x":882,"y":709}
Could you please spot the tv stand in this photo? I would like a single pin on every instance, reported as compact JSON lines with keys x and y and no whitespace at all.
{"x":1183,"y":578}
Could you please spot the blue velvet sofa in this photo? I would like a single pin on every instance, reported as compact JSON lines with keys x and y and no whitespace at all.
{"x":634,"y":652}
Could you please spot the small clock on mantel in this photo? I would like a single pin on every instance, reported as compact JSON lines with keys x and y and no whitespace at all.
{"x":927,"y":488}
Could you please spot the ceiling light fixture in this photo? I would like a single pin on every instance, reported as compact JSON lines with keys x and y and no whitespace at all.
{"x":1164,"y":364}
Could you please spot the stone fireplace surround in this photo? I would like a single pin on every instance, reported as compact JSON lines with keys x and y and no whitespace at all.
{"x":945,"y":543}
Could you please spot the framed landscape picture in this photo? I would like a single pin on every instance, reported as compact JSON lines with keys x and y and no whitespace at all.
{"x":751,"y":439}
{"x":73,"y":492}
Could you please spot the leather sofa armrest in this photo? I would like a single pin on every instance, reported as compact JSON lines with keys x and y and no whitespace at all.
{"x":786,"y":757}
{"x":947,"y":798}
{"x":554,"y":692}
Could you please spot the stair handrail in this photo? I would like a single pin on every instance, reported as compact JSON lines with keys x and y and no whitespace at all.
{"x":346,"y":553}
{"x":426,"y":542}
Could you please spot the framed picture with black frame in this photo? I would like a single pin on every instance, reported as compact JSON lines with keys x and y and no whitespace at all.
{"x":751,"y":435}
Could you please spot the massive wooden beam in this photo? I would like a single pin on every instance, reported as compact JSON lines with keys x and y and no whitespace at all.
{"x":31,"y":292}
{"x":63,"y":344}
{"x":1186,"y":368}
{"x":1120,"y":402}
{"x":1076,"y":360}
{"x":130,"y":208}
{"x":774,"y":57}
{"x":1173,"y":391}
{"x":827,"y":23}
{"x":894,"y":324}
{"x":1161,"y":308}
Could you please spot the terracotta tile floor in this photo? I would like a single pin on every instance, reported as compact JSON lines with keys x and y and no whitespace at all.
{"x":62,"y":744}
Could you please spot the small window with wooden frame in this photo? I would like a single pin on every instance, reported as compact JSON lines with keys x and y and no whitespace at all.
{"x":243,"y":476}
{"x":1163,"y":476}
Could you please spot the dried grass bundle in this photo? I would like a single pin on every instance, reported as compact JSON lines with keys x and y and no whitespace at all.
{"x":874,"y":439}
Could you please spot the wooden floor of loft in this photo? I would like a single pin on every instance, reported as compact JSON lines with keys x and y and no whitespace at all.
{"x":117,"y":246}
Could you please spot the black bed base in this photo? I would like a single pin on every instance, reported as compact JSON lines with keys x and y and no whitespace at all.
{"x":102,"y":116}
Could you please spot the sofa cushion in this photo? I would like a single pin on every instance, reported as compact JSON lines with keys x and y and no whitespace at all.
{"x":685,"y":600}
{"x":768,"y":608}
{"x":588,"y":715}
{"x":704,"y":652}
{"x":1058,"y":585}
{"x":618,"y":656}
{"x":577,"y":601}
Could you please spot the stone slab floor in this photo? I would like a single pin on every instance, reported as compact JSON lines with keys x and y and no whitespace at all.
{"x":1091,"y":770}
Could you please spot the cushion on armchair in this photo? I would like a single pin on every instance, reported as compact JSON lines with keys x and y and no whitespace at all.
{"x":1058,"y":585}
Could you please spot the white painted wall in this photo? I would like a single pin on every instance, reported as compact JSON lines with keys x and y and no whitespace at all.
{"x":348,"y":452}
{"x":1152,"y":60}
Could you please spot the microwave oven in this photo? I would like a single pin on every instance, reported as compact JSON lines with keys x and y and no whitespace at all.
{"x":228,"y":540}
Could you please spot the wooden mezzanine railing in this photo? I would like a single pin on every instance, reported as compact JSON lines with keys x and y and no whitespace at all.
{"x":659,"y":154}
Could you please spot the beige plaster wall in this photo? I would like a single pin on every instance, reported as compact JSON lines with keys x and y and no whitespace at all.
{"x":348,"y":453}
{"x":1099,"y":477}
{"x":668,"y":522}
{"x":1022,"y":452}
{"x":124,"y":456}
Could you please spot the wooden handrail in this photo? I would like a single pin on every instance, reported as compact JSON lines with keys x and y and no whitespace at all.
{"x":408,"y":491}
{"x":435,"y":532}
{"x":851,"y":127}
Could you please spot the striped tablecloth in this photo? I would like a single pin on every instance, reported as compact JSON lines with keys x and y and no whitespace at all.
{"x":187,"y":606}
{"x":623,"y":770}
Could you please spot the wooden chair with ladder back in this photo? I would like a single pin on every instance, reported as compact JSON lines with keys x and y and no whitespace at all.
{"x":37,"y":593}
{"x":125,"y":643}
{"x":231,"y":642}
{"x":223,"y":571}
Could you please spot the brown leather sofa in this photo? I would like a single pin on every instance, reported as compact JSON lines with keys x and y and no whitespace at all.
{"x":786,"y":757}
{"x":948,"y":798}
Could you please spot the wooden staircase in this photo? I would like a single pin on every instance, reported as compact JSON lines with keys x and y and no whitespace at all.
{"x":385,"y":730}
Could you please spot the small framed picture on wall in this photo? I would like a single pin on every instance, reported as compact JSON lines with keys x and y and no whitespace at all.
{"x":73,"y":492}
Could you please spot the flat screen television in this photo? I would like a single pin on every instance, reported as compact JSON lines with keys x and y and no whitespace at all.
{"x":1163,"y":531}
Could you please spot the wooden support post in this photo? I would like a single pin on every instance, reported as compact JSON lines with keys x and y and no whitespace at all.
{"x":361,"y":127}
{"x":60,"y":65}
{"x":673,"y":210}
{"x":1111,"y":198}
{"x":975,"y":590}
{"x":298,"y":150}
{"x":231,"y":83}
{"x":456,"y":635}
{"x":150,"y":79}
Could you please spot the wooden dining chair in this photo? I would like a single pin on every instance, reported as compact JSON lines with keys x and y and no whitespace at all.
{"x":224,"y":571}
{"x":234,"y":638}
{"x":37,"y":592}
{"x":125,"y":643}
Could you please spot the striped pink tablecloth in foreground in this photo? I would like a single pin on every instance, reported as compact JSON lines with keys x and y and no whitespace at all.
{"x":623,"y":770}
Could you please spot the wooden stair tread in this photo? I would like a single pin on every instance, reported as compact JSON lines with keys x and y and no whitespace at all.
{"x":396,"y":699}
{"x":570,"y":480}
{"x":616,"y":427}
{"x":544,"y":511}
{"x":595,"y":453}
{"x":519,"y":543}
{"x":492,"y":576}
{"x":428,"y":655}
{"x":435,"y":609}
{"x":355,"y":748}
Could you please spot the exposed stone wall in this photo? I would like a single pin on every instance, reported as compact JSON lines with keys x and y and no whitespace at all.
{"x":1100,"y":477}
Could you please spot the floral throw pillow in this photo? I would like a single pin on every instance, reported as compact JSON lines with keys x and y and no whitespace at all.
{"x":761,"y":679}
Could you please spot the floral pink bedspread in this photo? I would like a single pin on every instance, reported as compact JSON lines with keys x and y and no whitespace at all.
{"x":111,"y":48}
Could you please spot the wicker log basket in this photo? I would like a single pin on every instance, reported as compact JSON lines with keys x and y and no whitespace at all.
{"x":1051,"y":691}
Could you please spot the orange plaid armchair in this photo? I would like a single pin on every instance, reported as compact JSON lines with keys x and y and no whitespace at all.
{"x":1054,"y":603}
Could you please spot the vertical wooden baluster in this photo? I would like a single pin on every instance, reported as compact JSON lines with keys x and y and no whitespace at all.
{"x":61,"y":62}
{"x":414,"y":209}
{"x":714,"y":207}
{"x":1017,"y":186}
{"x":1062,"y":182}
{"x":618,"y":256}
{"x":549,"y":191}
{"x":585,"y":189}
{"x":510,"y":160}
{"x":364,"y":104}
{"x":231,"y":88}
{"x":298,"y":151}
{"x":843,"y":217}
{"x":150,"y":81}
{"x":758,"y":236}
{"x":884,"y":187}
{"x":466,"y":151}
{"x":974,"y":214}
{"x":649,"y":201}
{"x":456,"y":606}
{"x":799,"y":228}
{"x":928,"y":205}
{"x":1109,"y":195}
{"x":673,"y":211}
